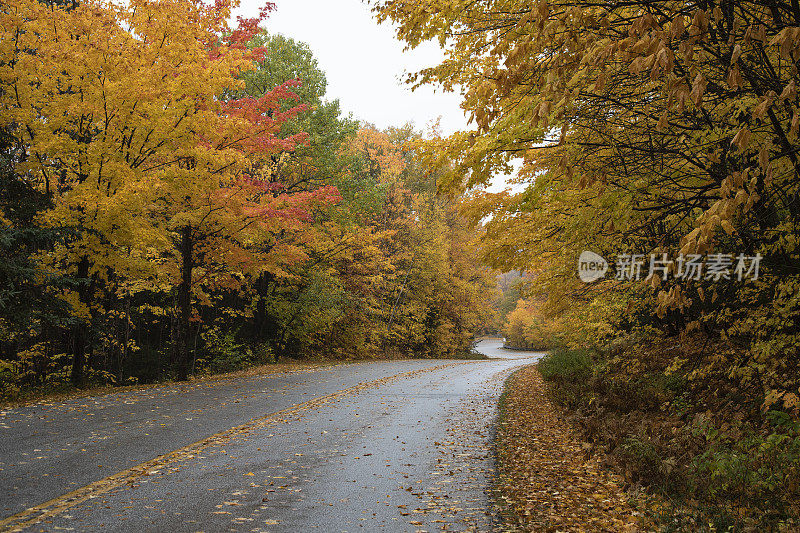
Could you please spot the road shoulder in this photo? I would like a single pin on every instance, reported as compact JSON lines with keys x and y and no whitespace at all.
{"x":547,"y":479}
{"x":47,"y":396}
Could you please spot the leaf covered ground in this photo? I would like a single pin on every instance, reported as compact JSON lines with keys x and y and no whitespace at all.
{"x":547,"y":479}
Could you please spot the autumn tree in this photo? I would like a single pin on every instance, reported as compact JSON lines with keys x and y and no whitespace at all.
{"x":651,"y":127}
{"x":431,"y":296}
{"x":129,"y":167}
{"x":280,"y":298}
{"x":318,"y":161}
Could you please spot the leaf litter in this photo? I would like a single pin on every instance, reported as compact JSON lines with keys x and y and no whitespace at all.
{"x":547,"y":478}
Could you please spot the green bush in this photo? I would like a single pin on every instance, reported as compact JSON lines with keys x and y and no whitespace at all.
{"x":8,"y":382}
{"x":263,"y":354}
{"x":760,"y":470}
{"x":646,"y":392}
{"x":570,"y":372}
{"x":221,"y":352}
{"x":563,"y":364}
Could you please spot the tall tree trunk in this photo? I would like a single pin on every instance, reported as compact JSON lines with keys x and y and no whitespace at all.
{"x":78,"y":375}
{"x":184,"y":305}
{"x":265,"y":327}
{"x":80,"y":332}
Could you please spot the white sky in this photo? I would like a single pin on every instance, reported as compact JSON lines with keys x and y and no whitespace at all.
{"x":364,"y":63}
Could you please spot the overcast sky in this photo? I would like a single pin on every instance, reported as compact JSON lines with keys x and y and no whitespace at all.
{"x":363,"y":62}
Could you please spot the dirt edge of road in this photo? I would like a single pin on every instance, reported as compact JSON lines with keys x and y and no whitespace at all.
{"x":546,"y":478}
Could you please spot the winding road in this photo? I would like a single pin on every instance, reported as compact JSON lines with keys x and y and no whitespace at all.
{"x":384,"y":445}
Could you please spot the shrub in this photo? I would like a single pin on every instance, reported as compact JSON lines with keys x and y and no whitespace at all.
{"x":563,"y":364}
{"x":222,"y":353}
{"x":760,"y":470}
{"x":263,"y":354}
{"x":570,"y":372}
{"x":643,"y":457}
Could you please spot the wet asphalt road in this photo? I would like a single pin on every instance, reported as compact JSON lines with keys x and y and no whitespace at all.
{"x":392,"y":446}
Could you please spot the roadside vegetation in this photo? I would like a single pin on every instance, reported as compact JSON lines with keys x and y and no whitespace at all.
{"x":699,"y":454}
{"x":690,"y":455}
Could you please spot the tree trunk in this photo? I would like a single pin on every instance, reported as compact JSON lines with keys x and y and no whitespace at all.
{"x":184,"y":305}
{"x":80,"y":332}
{"x":78,"y":375}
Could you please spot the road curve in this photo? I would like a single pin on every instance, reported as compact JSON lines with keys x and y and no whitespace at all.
{"x":393,"y":446}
